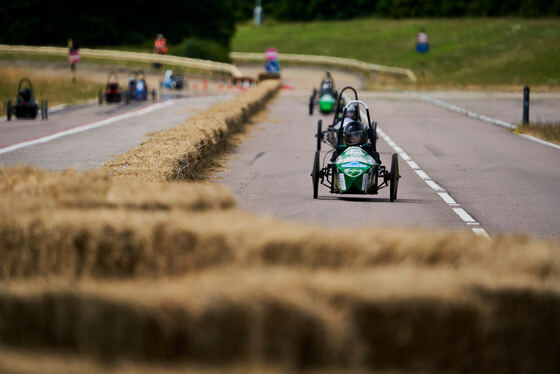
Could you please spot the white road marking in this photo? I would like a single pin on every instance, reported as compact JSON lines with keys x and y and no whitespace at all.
{"x":413,"y":165}
{"x":433,"y":185}
{"x":539,"y":140}
{"x":481,"y":117}
{"x":448,"y":199}
{"x":470,"y":221}
{"x":82,"y":128}
{"x":464,"y":215}
{"x":422,"y":174}
{"x":481,"y":232}
{"x":467,"y":218}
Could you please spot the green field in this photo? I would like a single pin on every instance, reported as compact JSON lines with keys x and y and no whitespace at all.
{"x":465,"y":51}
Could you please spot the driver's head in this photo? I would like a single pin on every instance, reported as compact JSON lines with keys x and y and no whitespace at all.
{"x":352,"y":112}
{"x":354,"y":133}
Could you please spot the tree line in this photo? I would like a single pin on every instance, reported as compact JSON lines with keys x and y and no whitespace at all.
{"x":298,"y":10}
{"x":108,"y":23}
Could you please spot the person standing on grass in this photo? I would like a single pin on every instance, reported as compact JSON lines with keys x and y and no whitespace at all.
{"x":422,"y":45}
{"x":73,"y":57}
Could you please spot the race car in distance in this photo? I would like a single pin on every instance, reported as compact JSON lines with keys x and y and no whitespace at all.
{"x":325,"y":97}
{"x":173,"y":81}
{"x":113,"y":92}
{"x":355,"y":167}
{"x":26,"y":105}
{"x":137,"y":88}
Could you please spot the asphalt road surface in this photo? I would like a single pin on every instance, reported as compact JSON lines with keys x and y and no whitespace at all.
{"x":504,"y":183}
{"x":84,"y":137}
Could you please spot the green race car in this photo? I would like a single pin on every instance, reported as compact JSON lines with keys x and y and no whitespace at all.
{"x":354,"y":167}
{"x":325,"y":97}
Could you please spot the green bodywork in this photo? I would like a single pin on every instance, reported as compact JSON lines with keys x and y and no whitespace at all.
{"x":355,"y":171}
{"x":326,"y":103}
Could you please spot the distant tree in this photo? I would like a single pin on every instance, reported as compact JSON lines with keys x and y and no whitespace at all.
{"x":101,"y":23}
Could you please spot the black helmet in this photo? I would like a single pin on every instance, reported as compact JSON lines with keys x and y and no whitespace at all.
{"x":354,"y":133}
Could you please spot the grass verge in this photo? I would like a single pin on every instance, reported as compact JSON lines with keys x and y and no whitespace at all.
{"x":55,"y":90}
{"x":549,"y":131}
{"x":464,"y":51}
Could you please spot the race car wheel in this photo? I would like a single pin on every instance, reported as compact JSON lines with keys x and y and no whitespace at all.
{"x":9,"y":110}
{"x":315,"y":175}
{"x":394,"y":177}
{"x":319,"y":134}
{"x":100,"y":97}
{"x":42,"y":109}
{"x":46,"y":108}
{"x":311,"y":106}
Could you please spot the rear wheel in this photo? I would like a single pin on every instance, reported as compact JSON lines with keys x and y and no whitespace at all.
{"x":311,"y":106}
{"x":9,"y":110}
{"x":319,"y":134}
{"x":315,"y":175}
{"x":394,"y":177}
{"x":100,"y":98}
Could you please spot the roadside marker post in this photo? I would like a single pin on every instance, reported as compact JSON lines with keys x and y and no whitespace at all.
{"x":526,"y":91}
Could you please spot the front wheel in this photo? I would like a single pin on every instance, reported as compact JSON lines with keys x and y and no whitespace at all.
{"x":9,"y":110}
{"x":319,"y":134}
{"x":315,"y":175}
{"x":394,"y":177}
{"x":100,"y":97}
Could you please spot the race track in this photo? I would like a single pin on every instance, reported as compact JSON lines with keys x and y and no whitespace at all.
{"x":86,"y":136}
{"x":487,"y":179}
{"x":503,"y":183}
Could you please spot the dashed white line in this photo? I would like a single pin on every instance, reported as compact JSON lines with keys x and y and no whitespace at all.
{"x":448,"y":199}
{"x":413,"y":165}
{"x":464,"y":215}
{"x":467,"y":218}
{"x":433,"y":185}
{"x":422,"y":174}
{"x":481,"y":232}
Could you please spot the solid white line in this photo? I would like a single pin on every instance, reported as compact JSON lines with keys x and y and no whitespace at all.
{"x":481,"y":117}
{"x":86,"y":127}
{"x":539,"y":141}
{"x":448,"y":199}
{"x":464,"y":215}
{"x":433,"y":185}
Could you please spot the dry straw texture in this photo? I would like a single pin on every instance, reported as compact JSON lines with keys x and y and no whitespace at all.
{"x":181,"y":152}
{"x":107,"y":269}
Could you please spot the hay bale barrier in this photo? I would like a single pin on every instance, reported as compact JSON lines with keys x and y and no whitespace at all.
{"x":141,"y":270}
{"x":180,"y":153}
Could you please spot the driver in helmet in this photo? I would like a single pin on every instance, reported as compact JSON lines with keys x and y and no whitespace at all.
{"x":355,"y":135}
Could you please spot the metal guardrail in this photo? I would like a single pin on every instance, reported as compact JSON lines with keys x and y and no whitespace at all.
{"x":128,"y":56}
{"x":347,"y":63}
